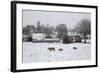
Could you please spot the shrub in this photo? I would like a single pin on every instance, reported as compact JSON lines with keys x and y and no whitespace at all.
{"x":30,"y":39}
{"x":66,"y":40}
{"x":48,"y":37}
{"x":77,"y":39}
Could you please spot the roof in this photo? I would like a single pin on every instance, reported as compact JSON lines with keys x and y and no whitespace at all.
{"x":73,"y":34}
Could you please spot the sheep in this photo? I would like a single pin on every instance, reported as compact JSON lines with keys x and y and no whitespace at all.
{"x":60,"y":49}
{"x":75,"y":48}
{"x":51,"y":49}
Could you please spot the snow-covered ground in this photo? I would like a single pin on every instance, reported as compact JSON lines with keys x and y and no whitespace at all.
{"x":38,"y":52}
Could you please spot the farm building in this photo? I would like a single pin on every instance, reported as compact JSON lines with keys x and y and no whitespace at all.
{"x":74,"y":37}
{"x":38,"y":36}
{"x":41,"y":37}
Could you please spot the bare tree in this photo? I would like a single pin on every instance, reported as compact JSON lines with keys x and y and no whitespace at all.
{"x":28,"y":29}
{"x":84,"y":28}
{"x":62,"y":30}
{"x":48,"y":31}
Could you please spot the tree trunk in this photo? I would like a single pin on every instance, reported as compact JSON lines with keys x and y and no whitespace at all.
{"x":84,"y":38}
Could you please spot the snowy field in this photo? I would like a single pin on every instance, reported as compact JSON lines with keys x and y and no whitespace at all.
{"x":39,"y":52}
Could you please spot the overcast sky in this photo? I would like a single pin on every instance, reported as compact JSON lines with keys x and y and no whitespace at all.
{"x":53,"y":18}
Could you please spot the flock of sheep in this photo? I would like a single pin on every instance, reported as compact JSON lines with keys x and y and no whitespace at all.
{"x":60,"y":49}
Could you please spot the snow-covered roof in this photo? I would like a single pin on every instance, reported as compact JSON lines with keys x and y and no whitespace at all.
{"x":73,"y":34}
{"x":38,"y":35}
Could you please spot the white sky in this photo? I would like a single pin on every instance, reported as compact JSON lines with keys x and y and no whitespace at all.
{"x":53,"y":18}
